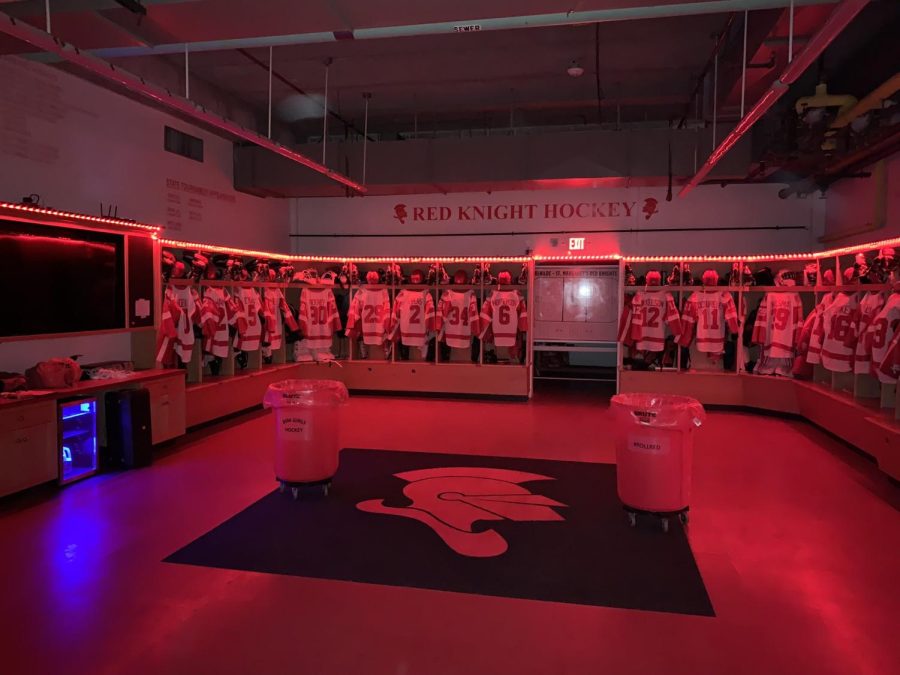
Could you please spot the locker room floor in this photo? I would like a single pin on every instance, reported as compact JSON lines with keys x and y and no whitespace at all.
{"x":795,"y":535}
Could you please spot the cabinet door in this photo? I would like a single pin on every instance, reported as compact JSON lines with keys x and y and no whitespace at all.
{"x":167,"y":413}
{"x":28,"y":456}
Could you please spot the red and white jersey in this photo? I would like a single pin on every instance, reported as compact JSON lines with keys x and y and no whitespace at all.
{"x":838,"y":327}
{"x":869,"y":307}
{"x":880,"y":337}
{"x":370,"y":315}
{"x":276,"y":312}
{"x":188,"y":302}
{"x":816,"y":335}
{"x":652,"y":311}
{"x":248,"y":306}
{"x":503,"y":315}
{"x":778,"y":324}
{"x":413,"y":317}
{"x":710,"y":312}
{"x":625,"y":329}
{"x":318,"y":317}
{"x":889,"y":369}
{"x":168,"y":331}
{"x":457,"y":318}
{"x":215,"y":315}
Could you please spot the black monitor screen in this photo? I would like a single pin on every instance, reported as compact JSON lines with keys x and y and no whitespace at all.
{"x":60,"y":280}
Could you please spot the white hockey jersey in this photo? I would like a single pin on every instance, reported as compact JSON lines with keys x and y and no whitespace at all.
{"x":249,"y":324}
{"x":779,"y":321}
{"x":710,"y":312}
{"x":869,"y":307}
{"x":413,"y":317}
{"x":215,"y":317}
{"x":879,"y":337}
{"x":457,"y":318}
{"x":188,"y":302}
{"x":276,"y":312}
{"x":503,"y":315}
{"x":816,"y":336}
{"x":651,"y":312}
{"x":838,"y":328}
{"x":318,"y":317}
{"x":370,"y":316}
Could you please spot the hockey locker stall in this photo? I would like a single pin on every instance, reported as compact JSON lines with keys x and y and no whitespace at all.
{"x":481,"y":367}
{"x":842,"y":393}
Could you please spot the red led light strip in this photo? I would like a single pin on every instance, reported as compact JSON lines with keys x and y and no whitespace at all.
{"x":80,"y":217}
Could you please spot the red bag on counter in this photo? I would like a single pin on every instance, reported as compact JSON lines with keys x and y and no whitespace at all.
{"x":57,"y":373}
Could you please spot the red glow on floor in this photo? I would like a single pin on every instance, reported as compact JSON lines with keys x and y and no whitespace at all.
{"x":794,"y":534}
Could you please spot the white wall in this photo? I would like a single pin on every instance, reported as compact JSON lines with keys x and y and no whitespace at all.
{"x":77,"y":145}
{"x":532,"y":219}
{"x":856,"y":205}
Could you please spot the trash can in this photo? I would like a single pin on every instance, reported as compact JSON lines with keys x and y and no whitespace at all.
{"x":654,"y":448}
{"x":307,"y":421}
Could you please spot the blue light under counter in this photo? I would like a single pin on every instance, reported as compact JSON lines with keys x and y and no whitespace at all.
{"x":78,"y":433}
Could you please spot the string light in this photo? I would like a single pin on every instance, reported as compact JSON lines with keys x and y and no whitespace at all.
{"x":79,"y":216}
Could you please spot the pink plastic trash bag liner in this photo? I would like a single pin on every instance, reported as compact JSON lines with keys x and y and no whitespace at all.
{"x":307,"y":424}
{"x":654,"y":449}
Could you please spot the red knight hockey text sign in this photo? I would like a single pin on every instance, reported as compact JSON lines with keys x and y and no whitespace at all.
{"x":592,"y":210}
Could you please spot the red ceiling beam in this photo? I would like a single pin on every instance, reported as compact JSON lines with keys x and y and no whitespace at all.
{"x":842,"y":15}
{"x":184,"y":107}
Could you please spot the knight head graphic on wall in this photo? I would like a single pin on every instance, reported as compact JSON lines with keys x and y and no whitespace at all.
{"x":452,"y":500}
{"x":650,"y":207}
{"x":400,"y":213}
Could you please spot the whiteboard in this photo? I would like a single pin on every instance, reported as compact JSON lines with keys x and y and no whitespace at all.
{"x":576,"y":302}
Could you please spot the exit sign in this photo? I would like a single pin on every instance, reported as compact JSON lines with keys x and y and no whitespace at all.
{"x":576,"y":243}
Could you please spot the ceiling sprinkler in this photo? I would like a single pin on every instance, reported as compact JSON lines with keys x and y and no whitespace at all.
{"x":574,"y":69}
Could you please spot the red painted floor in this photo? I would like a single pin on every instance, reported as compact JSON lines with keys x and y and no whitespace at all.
{"x":797,"y":538}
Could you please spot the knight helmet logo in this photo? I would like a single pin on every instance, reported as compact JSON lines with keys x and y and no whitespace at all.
{"x":451,"y":500}
{"x":400,"y":213}
{"x":650,"y":207}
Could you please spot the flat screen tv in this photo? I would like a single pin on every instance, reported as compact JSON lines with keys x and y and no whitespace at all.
{"x":60,"y":280}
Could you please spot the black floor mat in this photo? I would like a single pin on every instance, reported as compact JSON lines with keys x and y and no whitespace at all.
{"x":519,"y":528}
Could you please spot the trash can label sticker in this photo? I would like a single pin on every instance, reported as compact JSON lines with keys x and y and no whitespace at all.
{"x":295,"y":425}
{"x":653,"y":445}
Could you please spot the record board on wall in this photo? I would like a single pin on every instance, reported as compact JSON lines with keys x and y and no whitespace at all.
{"x":577,"y":303}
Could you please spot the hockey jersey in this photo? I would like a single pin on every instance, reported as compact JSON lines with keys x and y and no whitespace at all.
{"x":880,"y":336}
{"x":889,"y":369}
{"x":816,"y":335}
{"x":837,"y":329}
{"x":168,"y":331}
{"x":188,"y":302}
{"x":869,"y":307}
{"x":652,"y":311}
{"x":369,"y":316}
{"x":276,"y":313}
{"x":709,"y":312}
{"x":503,"y":315}
{"x":778,"y":324}
{"x":217,"y":310}
{"x":413,"y":317}
{"x":624,"y":336}
{"x":318,"y":317}
{"x":248,"y":308}
{"x":457,"y":318}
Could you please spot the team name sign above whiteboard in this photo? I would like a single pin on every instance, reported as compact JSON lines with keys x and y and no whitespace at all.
{"x":577,"y":303}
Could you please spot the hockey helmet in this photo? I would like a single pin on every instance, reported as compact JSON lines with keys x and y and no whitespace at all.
{"x":504,"y":277}
{"x":460,"y":277}
{"x":417,"y":276}
{"x":373,"y":277}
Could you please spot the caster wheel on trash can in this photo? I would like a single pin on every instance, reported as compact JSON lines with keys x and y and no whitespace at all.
{"x":632,"y":518}
{"x":295,"y":493}
{"x":665,"y":524}
{"x":683,"y":517}
{"x":325,"y":489}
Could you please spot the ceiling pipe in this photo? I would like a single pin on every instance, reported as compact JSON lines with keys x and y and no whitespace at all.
{"x":842,"y":15}
{"x":875,"y":100}
{"x":449,"y":27}
{"x":193,"y":112}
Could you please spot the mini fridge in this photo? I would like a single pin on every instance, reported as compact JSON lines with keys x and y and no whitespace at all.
{"x":77,"y":426}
